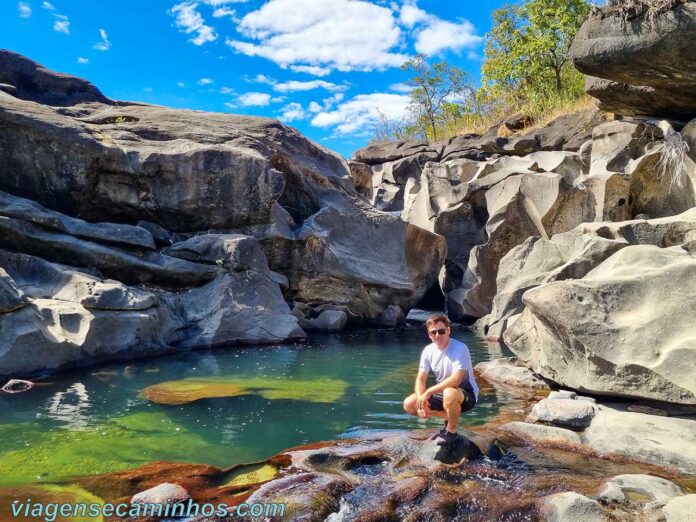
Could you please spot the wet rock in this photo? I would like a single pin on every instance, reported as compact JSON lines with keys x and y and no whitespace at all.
{"x":392,"y":316}
{"x":307,"y":496}
{"x":508,"y":371}
{"x":638,"y":488}
{"x":680,"y":509}
{"x":328,"y":320}
{"x":17,"y":386}
{"x":162,"y":494}
{"x":575,"y":415}
{"x":571,"y":507}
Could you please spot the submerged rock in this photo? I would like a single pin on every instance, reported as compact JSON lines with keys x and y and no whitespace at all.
{"x":17,"y":386}
{"x":193,"y":389}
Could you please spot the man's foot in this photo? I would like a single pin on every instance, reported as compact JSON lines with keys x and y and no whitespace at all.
{"x":442,"y":431}
{"x":446,"y":438}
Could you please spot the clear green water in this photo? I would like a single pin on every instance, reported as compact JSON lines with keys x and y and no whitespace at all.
{"x":97,"y":421}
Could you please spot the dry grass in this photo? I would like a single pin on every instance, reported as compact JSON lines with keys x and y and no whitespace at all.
{"x":586,"y":103}
{"x":628,"y":9}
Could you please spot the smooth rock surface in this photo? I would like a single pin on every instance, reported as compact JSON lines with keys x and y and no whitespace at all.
{"x":625,"y":488}
{"x":680,"y":509}
{"x":162,"y":494}
{"x":575,"y":415}
{"x":572,"y":507}
{"x":663,"y":441}
{"x":508,"y":371}
{"x":625,"y":329}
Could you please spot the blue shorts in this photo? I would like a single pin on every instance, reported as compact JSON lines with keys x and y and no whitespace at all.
{"x":435,"y":401}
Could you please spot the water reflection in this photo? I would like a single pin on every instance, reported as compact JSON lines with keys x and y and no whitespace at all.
{"x":71,"y":407}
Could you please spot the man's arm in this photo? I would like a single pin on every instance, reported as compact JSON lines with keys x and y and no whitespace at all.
{"x":421,"y":381}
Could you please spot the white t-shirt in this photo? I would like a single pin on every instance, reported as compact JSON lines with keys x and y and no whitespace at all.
{"x":445,"y":362}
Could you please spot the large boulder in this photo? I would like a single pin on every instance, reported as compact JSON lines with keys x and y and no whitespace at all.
{"x":537,"y":261}
{"x":244,"y":305}
{"x":648,"y":53}
{"x":74,"y":318}
{"x":30,"y":81}
{"x":625,"y":329}
{"x":189,"y":172}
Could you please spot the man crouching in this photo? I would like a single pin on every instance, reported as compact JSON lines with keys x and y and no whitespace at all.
{"x":455,"y":391}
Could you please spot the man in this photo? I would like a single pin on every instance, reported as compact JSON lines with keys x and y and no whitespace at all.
{"x":455,"y":391}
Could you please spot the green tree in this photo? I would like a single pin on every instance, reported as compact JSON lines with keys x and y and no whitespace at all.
{"x":527,"y":51}
{"x":436,"y":88}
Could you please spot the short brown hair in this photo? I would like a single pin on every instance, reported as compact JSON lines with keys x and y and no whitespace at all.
{"x":440,"y":318}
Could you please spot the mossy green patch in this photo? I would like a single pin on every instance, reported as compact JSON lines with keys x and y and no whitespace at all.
{"x":184,"y":391}
{"x":73,"y":494}
{"x":397,"y":378}
{"x":252,"y":474}
{"x":120,"y":443}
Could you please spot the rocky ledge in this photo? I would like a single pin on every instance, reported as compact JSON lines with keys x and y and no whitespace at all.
{"x":128,"y":230}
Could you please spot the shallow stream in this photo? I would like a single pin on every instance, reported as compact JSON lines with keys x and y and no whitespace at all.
{"x":98,"y":420}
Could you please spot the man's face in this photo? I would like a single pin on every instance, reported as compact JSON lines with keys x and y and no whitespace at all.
{"x":440,"y":334}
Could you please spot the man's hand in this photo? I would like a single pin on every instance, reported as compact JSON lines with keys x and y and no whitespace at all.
{"x":423,"y":405}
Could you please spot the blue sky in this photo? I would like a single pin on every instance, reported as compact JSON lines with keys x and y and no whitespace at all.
{"x":322,"y":66}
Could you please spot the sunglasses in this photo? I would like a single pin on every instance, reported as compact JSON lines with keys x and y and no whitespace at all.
{"x":441,"y":331}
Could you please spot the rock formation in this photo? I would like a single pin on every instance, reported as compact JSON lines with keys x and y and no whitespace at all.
{"x":641,"y":65}
{"x":131,"y":229}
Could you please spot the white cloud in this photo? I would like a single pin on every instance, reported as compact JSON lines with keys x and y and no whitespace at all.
{"x":230,"y":105}
{"x":217,"y":3}
{"x":180,"y":84}
{"x":358,"y":114}
{"x":226,"y":12}
{"x":205,"y":81}
{"x":189,"y":21}
{"x":254,"y":99}
{"x":48,"y":5}
{"x":291,"y":112}
{"x":311,"y":69}
{"x":315,"y":107}
{"x":332,"y":34}
{"x":226,"y":90}
{"x":62,"y":24}
{"x":24,"y":10}
{"x":410,"y":15}
{"x":441,"y":35}
{"x":105,"y":44}
{"x":400,"y":87}
{"x":262,"y":78}
{"x":294,"y":85}
{"x":83,"y":60}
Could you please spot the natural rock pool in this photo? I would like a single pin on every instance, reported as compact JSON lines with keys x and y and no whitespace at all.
{"x":254,"y":402}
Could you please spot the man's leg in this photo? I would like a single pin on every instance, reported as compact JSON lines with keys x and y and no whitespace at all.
{"x":410,"y":404}
{"x":452,"y":399}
